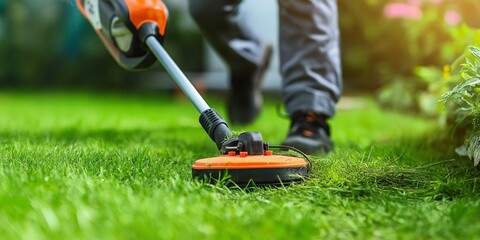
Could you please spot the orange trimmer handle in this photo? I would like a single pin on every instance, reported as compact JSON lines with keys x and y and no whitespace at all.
{"x":124,"y":25}
{"x":142,"y":12}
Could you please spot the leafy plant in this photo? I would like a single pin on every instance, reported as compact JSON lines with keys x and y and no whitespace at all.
{"x":466,"y":93}
{"x":466,"y":96}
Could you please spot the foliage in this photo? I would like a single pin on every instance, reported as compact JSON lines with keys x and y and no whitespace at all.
{"x":402,"y":57}
{"x":466,"y":96}
{"x":378,"y":47}
{"x":429,"y":82}
{"x":397,"y":95}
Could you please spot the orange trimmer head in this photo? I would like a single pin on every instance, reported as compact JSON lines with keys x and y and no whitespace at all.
{"x":243,"y":169}
{"x":247,"y":159}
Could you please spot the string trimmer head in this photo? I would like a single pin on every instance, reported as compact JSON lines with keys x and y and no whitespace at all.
{"x":247,"y":159}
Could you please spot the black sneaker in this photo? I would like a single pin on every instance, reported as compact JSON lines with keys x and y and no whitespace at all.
{"x":245,"y":99}
{"x":310,"y":133}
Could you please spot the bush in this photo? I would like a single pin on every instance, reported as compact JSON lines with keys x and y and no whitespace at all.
{"x":466,"y":96}
{"x":380,"y":46}
{"x":430,"y":69}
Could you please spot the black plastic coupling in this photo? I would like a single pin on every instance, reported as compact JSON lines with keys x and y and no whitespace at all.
{"x":252,"y":143}
{"x":149,"y":29}
{"x":215,"y":126}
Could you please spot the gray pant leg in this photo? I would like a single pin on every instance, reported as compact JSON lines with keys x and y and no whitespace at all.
{"x":310,"y":55}
{"x":235,"y":42}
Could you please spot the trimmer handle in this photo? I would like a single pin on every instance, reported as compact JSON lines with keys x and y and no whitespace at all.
{"x":124,"y":25}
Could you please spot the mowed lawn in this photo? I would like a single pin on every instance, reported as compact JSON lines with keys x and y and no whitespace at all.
{"x":83,"y":165}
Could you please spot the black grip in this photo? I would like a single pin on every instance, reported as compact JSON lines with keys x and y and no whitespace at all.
{"x":215,"y":126}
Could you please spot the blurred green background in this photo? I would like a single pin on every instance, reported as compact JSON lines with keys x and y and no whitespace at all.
{"x":47,"y":44}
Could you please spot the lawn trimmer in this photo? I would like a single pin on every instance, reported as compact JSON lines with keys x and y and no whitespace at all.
{"x":133,"y":31}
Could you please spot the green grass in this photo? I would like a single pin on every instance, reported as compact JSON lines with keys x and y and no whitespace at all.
{"x":118,"y":166}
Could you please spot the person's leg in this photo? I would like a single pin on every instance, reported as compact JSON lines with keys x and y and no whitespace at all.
{"x":245,"y":54}
{"x":311,"y":70}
